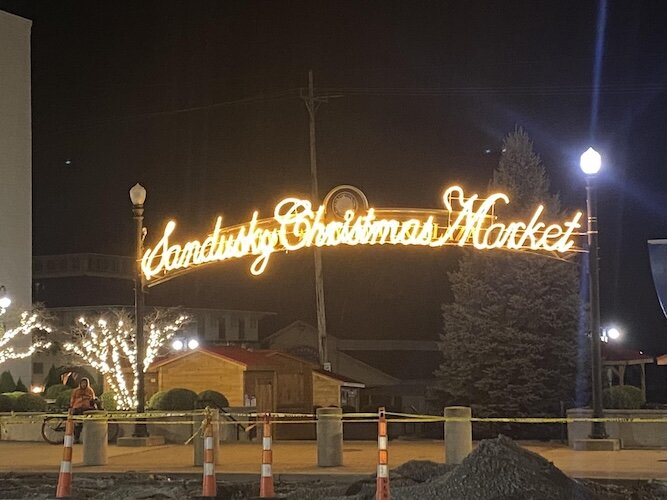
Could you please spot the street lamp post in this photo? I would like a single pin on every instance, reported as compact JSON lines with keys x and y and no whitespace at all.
{"x":590,"y":164}
{"x":138,"y":197}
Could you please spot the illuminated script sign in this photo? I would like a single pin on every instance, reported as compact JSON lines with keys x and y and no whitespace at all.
{"x":346,"y":219}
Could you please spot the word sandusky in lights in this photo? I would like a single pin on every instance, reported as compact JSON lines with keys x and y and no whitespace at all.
{"x":295,"y":225}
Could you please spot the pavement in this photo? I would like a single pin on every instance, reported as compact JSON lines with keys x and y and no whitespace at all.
{"x":297,"y":458}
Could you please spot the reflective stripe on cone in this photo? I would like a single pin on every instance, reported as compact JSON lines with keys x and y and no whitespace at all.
{"x":64,"y":488}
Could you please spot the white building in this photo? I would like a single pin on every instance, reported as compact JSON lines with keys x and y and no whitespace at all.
{"x":16,"y":170}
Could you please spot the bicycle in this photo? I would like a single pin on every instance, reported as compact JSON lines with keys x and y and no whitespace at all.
{"x":53,"y":429}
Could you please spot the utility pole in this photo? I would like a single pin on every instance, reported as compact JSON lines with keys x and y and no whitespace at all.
{"x":312,"y":103}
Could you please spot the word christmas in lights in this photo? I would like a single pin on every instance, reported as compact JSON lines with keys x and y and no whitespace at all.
{"x":466,"y":221}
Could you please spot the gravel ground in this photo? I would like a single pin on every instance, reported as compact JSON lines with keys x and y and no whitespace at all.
{"x":498,"y":469}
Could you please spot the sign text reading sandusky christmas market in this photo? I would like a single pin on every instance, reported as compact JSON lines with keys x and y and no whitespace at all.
{"x":344,"y":220}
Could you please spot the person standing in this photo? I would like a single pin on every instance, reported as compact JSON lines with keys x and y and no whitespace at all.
{"x":81,"y":400}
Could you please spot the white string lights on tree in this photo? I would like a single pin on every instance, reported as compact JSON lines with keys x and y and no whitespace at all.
{"x":108,"y":345}
{"x":30,"y":322}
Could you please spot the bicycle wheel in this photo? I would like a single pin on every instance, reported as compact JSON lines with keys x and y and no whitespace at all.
{"x":112,"y":432}
{"x":53,"y":430}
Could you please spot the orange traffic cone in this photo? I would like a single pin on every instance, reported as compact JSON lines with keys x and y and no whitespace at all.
{"x":64,"y":488}
{"x":209,"y":486}
{"x":266,"y":480}
{"x":382,"y":480}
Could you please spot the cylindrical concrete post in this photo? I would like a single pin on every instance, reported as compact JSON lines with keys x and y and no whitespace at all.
{"x":458,"y":435}
{"x":198,"y":441}
{"x":329,"y":437}
{"x":95,"y":438}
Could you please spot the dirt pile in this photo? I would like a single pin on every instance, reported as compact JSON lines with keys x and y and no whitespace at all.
{"x":499,"y":468}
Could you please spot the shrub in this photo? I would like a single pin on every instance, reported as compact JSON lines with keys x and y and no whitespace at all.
{"x":6,"y":403}
{"x":625,"y":397}
{"x":155,"y":400}
{"x":14,"y":394}
{"x":29,"y":402}
{"x":7,"y":383}
{"x":108,"y":400}
{"x":62,"y":400}
{"x":53,"y":391}
{"x":213,"y":399}
{"x":20,"y":386}
{"x":177,"y":399}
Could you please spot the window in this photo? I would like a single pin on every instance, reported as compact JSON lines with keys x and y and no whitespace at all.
{"x":241,"y":329}
{"x":222,"y":328}
{"x":38,"y":368}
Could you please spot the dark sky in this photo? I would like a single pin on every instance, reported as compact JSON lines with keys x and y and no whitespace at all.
{"x":199,"y":101}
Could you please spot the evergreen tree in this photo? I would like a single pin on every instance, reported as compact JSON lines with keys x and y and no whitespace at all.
{"x":509,"y":339}
{"x":7,"y":383}
{"x":52,"y":377}
{"x":20,"y":386}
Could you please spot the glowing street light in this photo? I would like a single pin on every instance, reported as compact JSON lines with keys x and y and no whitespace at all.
{"x":5,"y":301}
{"x":590,"y":164}
{"x":613,"y":333}
{"x":182,"y":344}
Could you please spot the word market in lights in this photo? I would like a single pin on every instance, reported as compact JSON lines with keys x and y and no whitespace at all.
{"x":296,"y":225}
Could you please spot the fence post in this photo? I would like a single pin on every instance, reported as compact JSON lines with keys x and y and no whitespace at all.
{"x":95,"y":438}
{"x":458,"y":435}
{"x":329,"y":437}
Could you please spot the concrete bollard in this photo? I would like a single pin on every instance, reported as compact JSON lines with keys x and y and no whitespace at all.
{"x":329,"y":437}
{"x":95,"y":436}
{"x":198,"y":442}
{"x":458,"y":435}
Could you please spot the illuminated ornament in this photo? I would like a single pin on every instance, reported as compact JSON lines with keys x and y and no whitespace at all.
{"x":346,"y":219}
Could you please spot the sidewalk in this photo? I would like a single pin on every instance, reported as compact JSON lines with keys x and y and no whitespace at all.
{"x":299,"y":457}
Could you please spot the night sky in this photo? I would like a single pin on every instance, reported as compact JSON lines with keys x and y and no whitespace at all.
{"x":199,"y":101}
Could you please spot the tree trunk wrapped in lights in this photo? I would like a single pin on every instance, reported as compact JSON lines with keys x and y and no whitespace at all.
{"x":107,"y":343}
{"x":33,"y":324}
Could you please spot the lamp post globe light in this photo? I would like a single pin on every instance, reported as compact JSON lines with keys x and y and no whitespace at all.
{"x":590,"y":164}
{"x":138,"y":197}
{"x":613,"y":333}
{"x":5,"y":301}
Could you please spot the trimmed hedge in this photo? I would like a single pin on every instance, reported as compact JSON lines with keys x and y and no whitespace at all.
{"x":6,"y":403}
{"x":155,"y":400}
{"x":53,"y":391}
{"x":177,"y":399}
{"x":211,"y":398}
{"x":29,"y":402}
{"x":626,"y":397}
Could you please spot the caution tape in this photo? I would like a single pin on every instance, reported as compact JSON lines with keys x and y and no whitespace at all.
{"x":249,"y":418}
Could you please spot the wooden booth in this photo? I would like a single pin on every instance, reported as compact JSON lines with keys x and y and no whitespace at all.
{"x":264,"y":379}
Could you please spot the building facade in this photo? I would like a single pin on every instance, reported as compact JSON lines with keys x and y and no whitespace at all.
{"x":16,"y":172}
